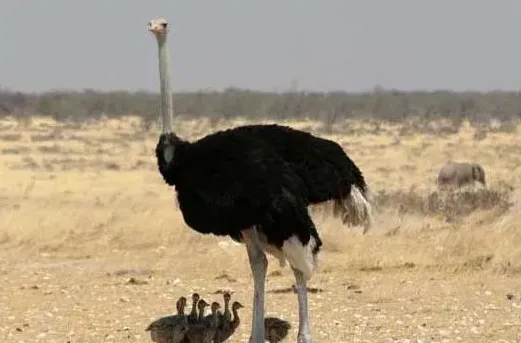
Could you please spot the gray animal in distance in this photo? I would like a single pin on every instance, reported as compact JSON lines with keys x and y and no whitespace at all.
{"x":458,"y":174}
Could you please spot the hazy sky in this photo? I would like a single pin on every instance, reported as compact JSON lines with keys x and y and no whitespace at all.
{"x":270,"y":45}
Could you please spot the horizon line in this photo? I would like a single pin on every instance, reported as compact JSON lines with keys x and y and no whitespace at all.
{"x":375,"y":89}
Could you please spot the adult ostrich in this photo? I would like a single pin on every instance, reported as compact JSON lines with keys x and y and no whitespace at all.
{"x":235,"y":183}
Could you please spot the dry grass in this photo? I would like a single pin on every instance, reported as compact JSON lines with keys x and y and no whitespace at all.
{"x":83,"y":210}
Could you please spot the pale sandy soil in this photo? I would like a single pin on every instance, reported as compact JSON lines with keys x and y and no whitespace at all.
{"x":83,"y":210}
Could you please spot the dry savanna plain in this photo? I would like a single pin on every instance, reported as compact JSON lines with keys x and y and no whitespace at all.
{"x":93,"y":247}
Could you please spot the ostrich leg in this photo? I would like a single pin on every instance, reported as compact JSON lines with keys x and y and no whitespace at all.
{"x":304,"y":332}
{"x":259,"y":266}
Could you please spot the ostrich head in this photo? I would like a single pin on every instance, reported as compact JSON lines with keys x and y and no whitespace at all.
{"x":159,"y":28}
{"x":181,"y":303}
{"x":202,"y":305}
{"x":237,"y":305}
{"x":227,"y":297}
{"x":215,"y":306}
{"x":195,"y":297}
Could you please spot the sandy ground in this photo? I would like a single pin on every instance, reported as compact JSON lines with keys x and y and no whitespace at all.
{"x":93,"y":248}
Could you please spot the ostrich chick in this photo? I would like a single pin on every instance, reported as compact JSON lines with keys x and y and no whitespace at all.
{"x":192,"y":317}
{"x":204,"y":329}
{"x":202,"y":305}
{"x":228,"y":328}
{"x":211,"y":322}
{"x":276,"y":329}
{"x":171,"y":329}
{"x":226,"y":317}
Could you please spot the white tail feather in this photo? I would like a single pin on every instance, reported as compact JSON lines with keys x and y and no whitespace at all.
{"x":355,"y":209}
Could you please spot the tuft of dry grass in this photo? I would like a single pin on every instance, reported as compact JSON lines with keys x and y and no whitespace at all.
{"x":79,"y":204}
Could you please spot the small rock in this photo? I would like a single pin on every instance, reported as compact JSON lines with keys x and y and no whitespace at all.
{"x":510,"y":296}
{"x":134,"y":281}
{"x":351,"y":286}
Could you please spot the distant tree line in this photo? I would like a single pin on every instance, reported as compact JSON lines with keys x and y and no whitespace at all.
{"x":480,"y":109}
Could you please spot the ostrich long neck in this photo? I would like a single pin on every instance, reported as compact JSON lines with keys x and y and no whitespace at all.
{"x":166,"y":104}
{"x":226,"y":305}
{"x":236,"y":320}
{"x":202,"y":310}
{"x":194,"y":309}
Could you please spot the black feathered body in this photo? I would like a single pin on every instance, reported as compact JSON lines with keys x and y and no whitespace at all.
{"x":326,"y":170}
{"x":230,"y":181}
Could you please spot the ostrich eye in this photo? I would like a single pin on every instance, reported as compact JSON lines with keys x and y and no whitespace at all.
{"x":164,"y":25}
